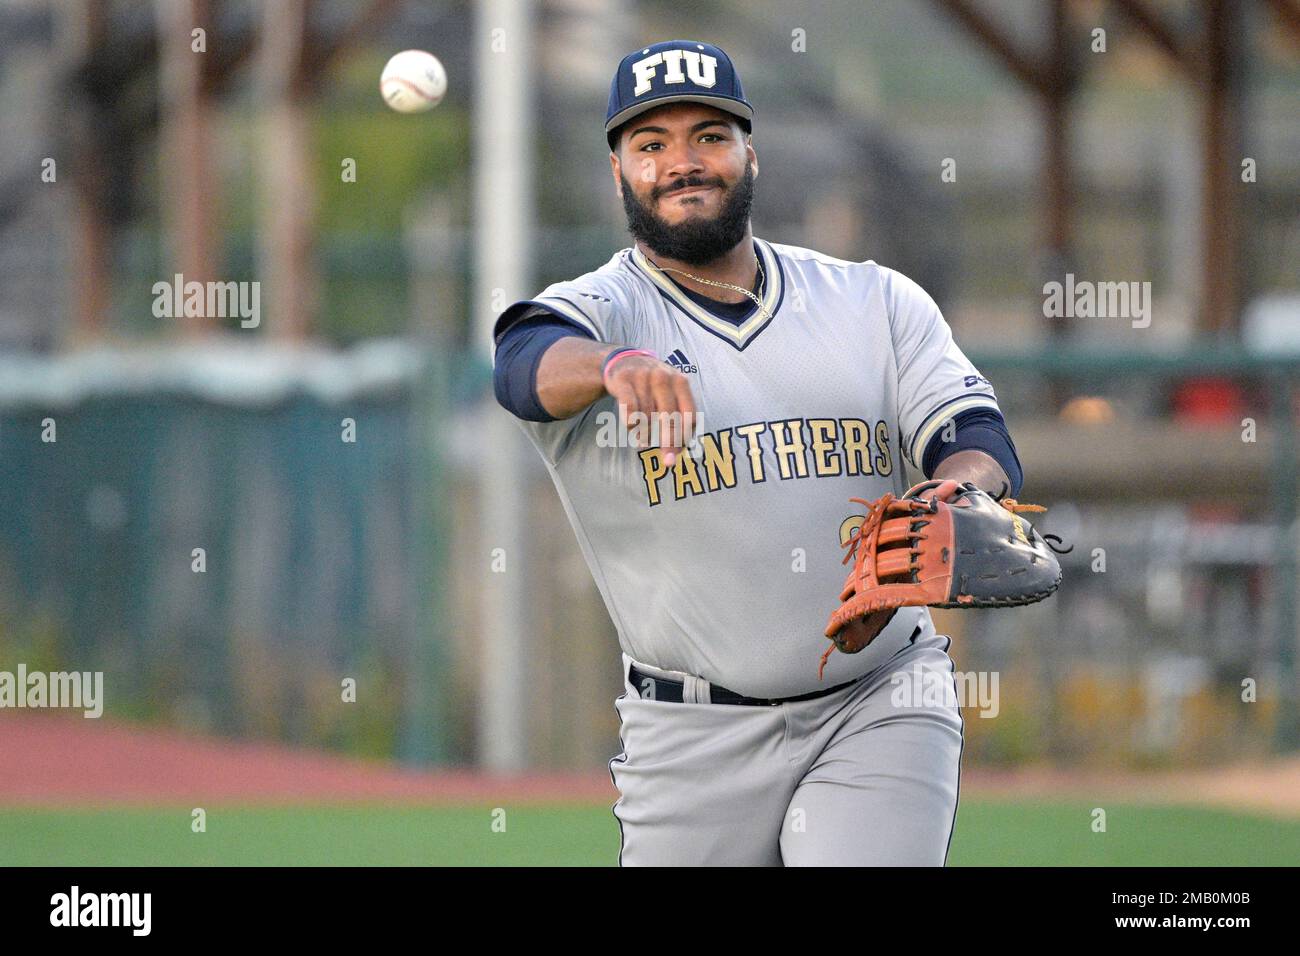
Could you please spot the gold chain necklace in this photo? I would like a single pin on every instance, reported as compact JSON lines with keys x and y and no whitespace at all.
{"x":762,"y":282}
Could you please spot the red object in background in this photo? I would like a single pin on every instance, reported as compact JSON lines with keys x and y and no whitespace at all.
{"x":1209,"y":401}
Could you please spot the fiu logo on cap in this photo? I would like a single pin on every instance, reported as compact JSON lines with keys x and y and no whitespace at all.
{"x":701,"y":69}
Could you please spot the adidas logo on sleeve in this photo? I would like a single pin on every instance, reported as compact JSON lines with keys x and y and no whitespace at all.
{"x":679,"y":361}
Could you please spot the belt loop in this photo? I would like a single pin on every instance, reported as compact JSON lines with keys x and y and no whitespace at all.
{"x":696,"y":690}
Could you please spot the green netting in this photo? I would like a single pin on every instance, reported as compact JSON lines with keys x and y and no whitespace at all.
{"x":319,"y":553}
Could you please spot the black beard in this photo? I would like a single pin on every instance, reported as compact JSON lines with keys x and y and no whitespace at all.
{"x":696,"y":241}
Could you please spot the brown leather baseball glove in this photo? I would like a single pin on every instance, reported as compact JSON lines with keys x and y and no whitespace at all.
{"x":943,"y":544}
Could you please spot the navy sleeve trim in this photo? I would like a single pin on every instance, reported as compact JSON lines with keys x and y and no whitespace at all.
{"x":556,"y":309}
{"x":982,"y":429}
{"x":938,"y":416}
{"x":518,"y":355}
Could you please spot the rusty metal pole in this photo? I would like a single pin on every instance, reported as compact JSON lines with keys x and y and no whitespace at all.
{"x":82,"y":31}
{"x":188,"y":151}
{"x":287,"y":190}
{"x":1058,"y":175}
{"x":1220,"y":77}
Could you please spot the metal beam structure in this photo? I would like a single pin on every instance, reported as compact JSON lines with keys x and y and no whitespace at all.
{"x":1213,"y":60}
{"x":1221,"y":85}
{"x":1159,"y":33}
{"x":1022,"y":64}
{"x":1052,"y":77}
{"x":1289,"y":13}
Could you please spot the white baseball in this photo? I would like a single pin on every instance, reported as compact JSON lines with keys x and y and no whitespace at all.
{"x":413,"y":81}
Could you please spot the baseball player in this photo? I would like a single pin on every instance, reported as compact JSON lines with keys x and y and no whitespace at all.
{"x":707,"y":402}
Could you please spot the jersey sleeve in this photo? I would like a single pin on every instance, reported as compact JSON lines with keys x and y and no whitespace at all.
{"x":595,"y":309}
{"x":935,"y":379}
{"x":518,"y":357}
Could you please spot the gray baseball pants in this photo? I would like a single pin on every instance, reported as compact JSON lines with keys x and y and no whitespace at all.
{"x":854,"y":778}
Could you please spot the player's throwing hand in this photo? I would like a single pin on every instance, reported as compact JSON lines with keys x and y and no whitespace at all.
{"x":655,"y":401}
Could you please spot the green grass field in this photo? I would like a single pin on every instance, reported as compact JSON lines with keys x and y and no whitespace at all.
{"x":988,"y":833}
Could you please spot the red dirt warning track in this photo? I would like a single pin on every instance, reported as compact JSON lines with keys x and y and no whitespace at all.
{"x":56,"y":759}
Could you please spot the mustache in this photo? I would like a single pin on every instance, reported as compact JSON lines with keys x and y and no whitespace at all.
{"x":686,"y":182}
{"x":697,"y":240}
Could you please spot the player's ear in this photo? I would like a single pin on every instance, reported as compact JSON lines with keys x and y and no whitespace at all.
{"x":616,"y":168}
{"x":751,"y":157}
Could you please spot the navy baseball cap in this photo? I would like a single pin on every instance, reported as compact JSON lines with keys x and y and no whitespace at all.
{"x":672,"y":72}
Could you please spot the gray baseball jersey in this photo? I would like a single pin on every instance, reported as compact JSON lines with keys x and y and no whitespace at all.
{"x":727,"y":564}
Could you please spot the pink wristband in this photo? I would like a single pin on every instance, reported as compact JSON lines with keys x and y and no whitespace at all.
{"x":615,"y":357}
